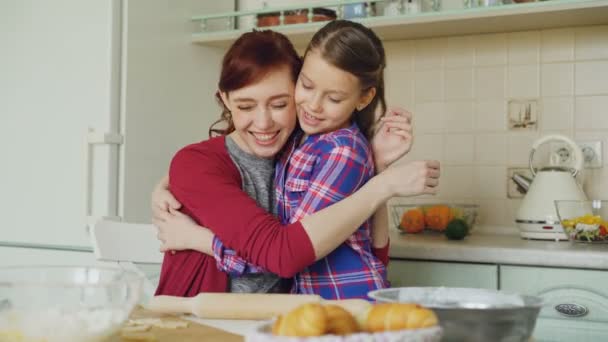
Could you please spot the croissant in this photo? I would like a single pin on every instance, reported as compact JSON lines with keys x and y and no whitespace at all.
{"x":340,"y":321}
{"x":305,"y":320}
{"x":397,"y":316}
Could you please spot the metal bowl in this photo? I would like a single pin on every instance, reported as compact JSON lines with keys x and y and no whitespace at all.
{"x":64,"y":303}
{"x":472,"y":314}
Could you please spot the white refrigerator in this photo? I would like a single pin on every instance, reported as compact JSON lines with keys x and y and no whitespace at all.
{"x":95,"y":98}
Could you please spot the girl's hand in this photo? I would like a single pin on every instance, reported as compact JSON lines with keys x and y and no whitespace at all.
{"x":177,"y":231}
{"x":412,"y":178}
{"x":162,"y":199}
{"x":393,"y":138}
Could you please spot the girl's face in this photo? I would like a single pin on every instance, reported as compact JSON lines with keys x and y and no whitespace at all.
{"x":263,"y":113}
{"x":327,"y":96}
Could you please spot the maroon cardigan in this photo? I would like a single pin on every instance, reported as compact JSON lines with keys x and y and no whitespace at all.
{"x":206,"y":181}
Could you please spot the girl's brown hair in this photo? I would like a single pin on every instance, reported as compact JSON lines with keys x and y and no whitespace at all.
{"x":249,"y":59}
{"x":356,"y":49}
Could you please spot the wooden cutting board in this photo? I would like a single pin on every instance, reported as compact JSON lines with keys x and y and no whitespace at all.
{"x":194,"y":332}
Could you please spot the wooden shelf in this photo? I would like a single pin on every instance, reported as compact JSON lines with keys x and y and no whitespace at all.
{"x":506,"y":18}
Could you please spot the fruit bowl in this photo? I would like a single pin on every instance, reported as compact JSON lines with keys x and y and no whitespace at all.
{"x":67,"y":304}
{"x":435,"y":217}
{"x":584,"y":221}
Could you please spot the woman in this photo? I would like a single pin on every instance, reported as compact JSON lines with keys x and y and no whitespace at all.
{"x":216,"y":180}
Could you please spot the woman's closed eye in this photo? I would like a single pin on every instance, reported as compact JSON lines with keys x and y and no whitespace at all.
{"x":246,"y":108}
{"x":278,"y":105}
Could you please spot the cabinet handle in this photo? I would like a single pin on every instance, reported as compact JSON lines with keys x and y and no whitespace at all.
{"x":571,"y":310}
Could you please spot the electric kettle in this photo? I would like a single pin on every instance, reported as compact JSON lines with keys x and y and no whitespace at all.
{"x":537,"y":217}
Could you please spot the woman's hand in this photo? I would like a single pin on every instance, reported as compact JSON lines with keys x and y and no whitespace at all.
{"x":393,"y":138}
{"x":177,"y":231}
{"x":162,"y":199}
{"x":412,"y":178}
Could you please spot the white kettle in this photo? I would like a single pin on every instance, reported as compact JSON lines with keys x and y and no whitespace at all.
{"x":537,"y":217}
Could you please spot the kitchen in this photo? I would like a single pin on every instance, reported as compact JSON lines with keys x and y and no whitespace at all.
{"x":99,"y":96}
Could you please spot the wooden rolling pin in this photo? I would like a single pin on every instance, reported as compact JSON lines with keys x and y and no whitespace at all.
{"x":253,"y":306}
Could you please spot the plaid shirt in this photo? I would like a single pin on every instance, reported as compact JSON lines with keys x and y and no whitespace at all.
{"x":323,"y":170}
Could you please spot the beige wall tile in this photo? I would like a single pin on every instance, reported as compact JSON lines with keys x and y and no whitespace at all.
{"x":399,"y":55}
{"x":490,"y":115}
{"x":490,"y":82}
{"x":591,"y":78}
{"x":491,"y":182}
{"x":591,"y":42}
{"x":458,"y":116}
{"x":491,"y":49}
{"x":460,"y":52}
{"x":428,"y":85}
{"x":427,"y":146}
{"x":492,"y":212}
{"x":459,"y":84}
{"x":456,"y":181}
{"x":524,"y":47}
{"x":523,"y":81}
{"x":557,"y":113}
{"x":519,"y":148}
{"x":557,"y":45}
{"x":459,"y":148}
{"x":591,"y":113}
{"x":557,"y":79}
{"x":399,"y":87}
{"x":491,"y":149}
{"x":429,"y":53}
{"x":428,"y":117}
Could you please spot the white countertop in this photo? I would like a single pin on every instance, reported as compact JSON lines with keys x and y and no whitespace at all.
{"x":498,"y":249}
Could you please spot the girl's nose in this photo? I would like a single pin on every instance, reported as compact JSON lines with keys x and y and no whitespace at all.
{"x":315,"y":103}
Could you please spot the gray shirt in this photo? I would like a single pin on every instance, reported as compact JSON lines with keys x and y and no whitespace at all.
{"x":257,"y":175}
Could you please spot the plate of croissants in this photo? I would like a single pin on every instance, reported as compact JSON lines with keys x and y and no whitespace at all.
{"x":318,"y":322}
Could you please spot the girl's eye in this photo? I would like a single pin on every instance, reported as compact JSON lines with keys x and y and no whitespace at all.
{"x":245,"y":108}
{"x":335,"y":100}
{"x":306,"y":86}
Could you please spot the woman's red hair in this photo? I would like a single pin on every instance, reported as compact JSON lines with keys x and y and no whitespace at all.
{"x":249,"y":59}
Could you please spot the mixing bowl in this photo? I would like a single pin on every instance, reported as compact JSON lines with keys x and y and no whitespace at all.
{"x":65,"y":304}
{"x":472,"y":314}
{"x":584,"y":221}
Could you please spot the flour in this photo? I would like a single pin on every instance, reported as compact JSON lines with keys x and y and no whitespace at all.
{"x":53,"y":325}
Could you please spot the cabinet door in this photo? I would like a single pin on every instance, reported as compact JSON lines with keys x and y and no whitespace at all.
{"x":60,"y":77}
{"x":17,"y":256}
{"x":168,"y":92}
{"x":575,"y":301}
{"x":428,"y":273}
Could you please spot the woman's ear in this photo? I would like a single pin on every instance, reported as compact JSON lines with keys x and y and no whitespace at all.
{"x":224,"y":97}
{"x":366,"y":98}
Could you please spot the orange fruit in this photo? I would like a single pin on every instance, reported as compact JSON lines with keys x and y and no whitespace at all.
{"x":412,"y":221}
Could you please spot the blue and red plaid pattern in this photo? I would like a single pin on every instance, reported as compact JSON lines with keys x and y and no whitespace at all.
{"x":324,"y":169}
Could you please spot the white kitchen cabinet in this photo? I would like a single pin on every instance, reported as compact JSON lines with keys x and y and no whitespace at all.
{"x":20,"y":256}
{"x":430,"y":273}
{"x":575,"y":301}
{"x":96,"y":98}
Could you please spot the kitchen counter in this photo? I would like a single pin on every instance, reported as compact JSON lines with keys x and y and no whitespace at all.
{"x":498,"y":249}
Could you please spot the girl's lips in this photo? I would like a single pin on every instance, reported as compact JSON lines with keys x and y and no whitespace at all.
{"x":309,"y":119}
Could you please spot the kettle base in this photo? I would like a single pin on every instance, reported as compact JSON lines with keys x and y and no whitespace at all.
{"x":553,"y":236}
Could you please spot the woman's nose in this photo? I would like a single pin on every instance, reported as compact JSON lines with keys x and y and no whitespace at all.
{"x":263,"y":119}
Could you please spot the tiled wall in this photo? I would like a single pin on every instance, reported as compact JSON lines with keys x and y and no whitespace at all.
{"x":458,"y":89}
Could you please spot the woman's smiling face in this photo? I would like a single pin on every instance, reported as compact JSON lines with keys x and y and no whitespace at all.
{"x":263,"y":113}
{"x":326,"y":96}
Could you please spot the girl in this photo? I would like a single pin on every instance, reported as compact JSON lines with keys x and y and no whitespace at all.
{"x":224,"y":183}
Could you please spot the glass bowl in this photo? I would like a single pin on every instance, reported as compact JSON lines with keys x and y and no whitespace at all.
{"x":584,"y":221}
{"x":416,"y":218}
{"x":67,"y":304}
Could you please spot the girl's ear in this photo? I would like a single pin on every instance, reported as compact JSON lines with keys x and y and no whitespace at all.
{"x":366,"y":98}
{"x":224,"y":97}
